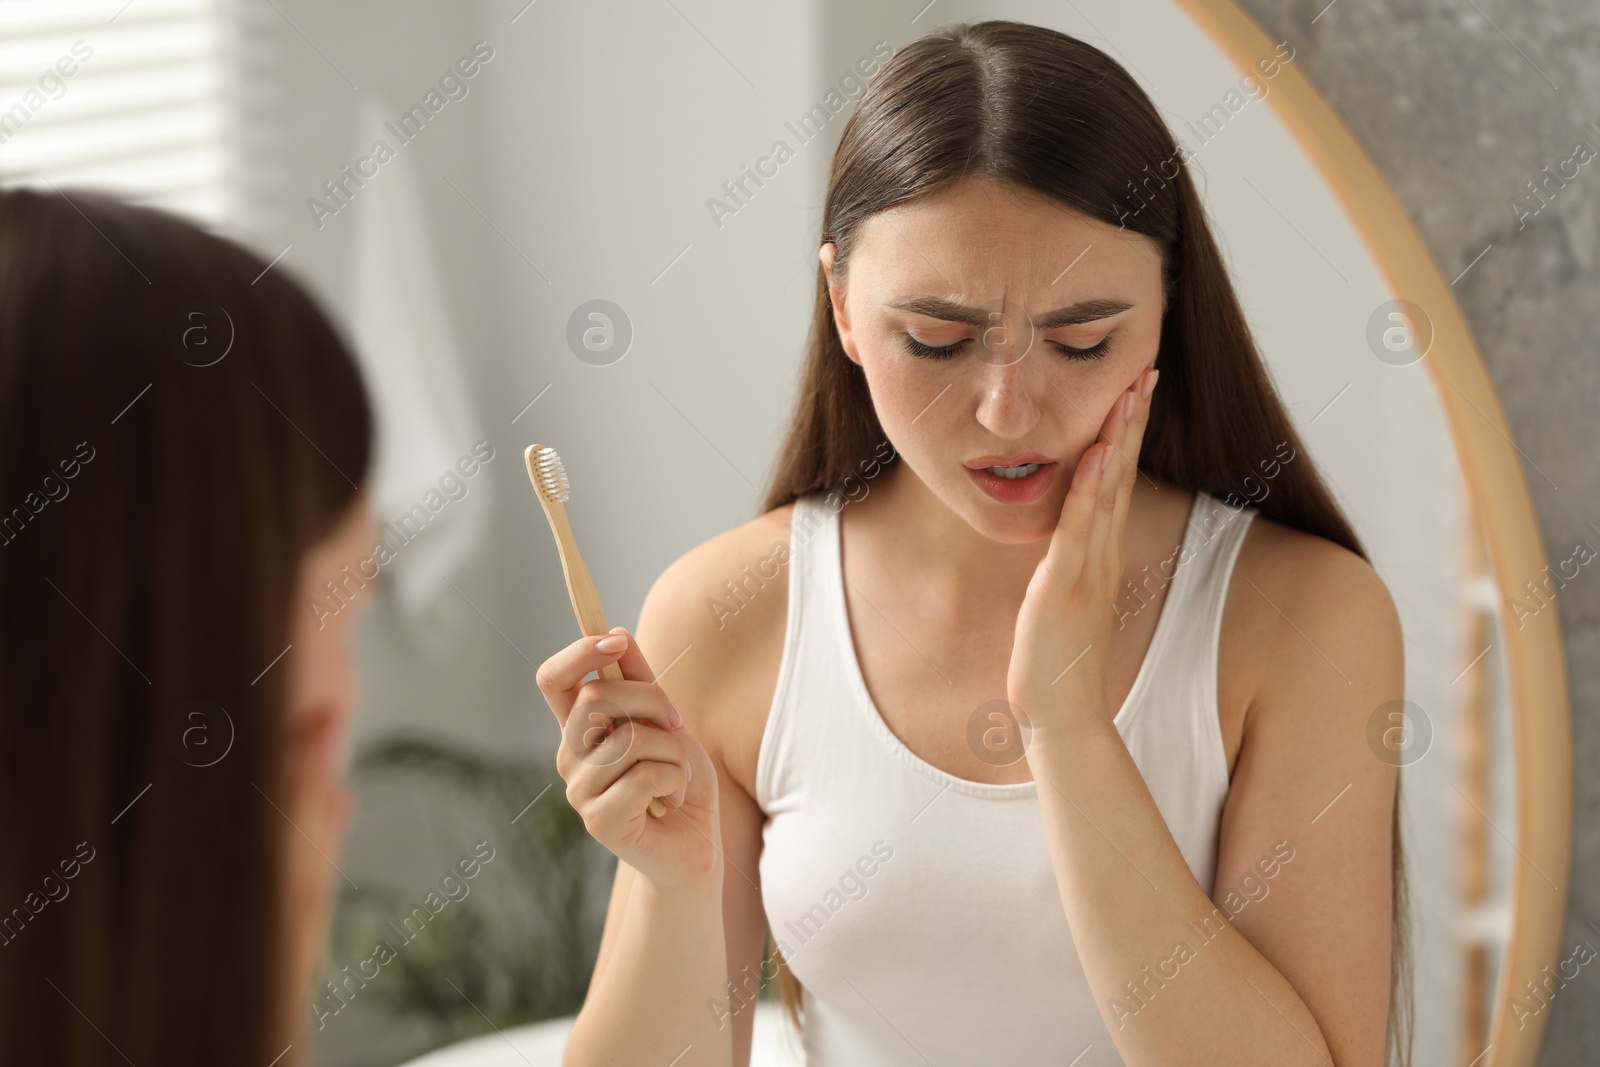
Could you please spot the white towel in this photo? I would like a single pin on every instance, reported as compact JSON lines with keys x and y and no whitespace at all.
{"x":425,"y":421}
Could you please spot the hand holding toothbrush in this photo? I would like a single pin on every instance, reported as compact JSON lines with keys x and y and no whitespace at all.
{"x":623,"y":745}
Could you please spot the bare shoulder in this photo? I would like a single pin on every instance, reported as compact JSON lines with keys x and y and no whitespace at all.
{"x":1305,"y":611}
{"x":712,"y":627}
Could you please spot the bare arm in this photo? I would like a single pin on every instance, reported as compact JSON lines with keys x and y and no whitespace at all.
{"x":743,"y":927}
{"x":1290,"y":965}
{"x":743,"y":919}
{"x":1301,"y":978}
{"x":666,"y":957}
{"x":660,"y":988}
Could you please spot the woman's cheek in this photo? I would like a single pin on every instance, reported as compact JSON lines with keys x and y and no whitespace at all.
{"x":903,"y":387}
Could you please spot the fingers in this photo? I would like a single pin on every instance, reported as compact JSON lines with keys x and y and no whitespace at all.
{"x":625,"y":801}
{"x":641,"y":701}
{"x":1143,"y":387}
{"x":608,"y":724}
{"x":560,"y":676}
{"x":1065,"y":557}
{"x":633,"y":664}
{"x":626,"y":769}
{"x":1124,"y":428}
{"x":1097,"y":501}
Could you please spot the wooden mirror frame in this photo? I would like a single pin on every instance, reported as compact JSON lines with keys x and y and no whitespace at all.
{"x":1498,"y":493}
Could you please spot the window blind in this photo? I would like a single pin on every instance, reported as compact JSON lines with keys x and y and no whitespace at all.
{"x":126,"y":96}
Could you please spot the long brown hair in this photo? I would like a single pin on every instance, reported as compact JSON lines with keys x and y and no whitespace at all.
{"x":157,"y":510}
{"x":1045,"y":111}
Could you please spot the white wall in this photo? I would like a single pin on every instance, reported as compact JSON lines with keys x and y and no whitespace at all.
{"x":589,"y":144}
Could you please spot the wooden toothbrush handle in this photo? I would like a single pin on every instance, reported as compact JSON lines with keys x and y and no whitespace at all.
{"x":585,"y":599}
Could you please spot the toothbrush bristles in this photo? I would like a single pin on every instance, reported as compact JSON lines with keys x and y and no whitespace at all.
{"x":552,"y":475}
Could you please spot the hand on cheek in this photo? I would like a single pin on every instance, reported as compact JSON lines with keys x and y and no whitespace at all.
{"x":1057,"y":669}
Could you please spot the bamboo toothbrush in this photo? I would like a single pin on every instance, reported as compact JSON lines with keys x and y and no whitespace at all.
{"x":550,"y":483}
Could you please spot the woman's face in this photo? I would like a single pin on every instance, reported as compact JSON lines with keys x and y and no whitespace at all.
{"x":1034,"y":278}
{"x":322,"y":693}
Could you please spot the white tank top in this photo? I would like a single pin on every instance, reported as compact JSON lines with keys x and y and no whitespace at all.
{"x":920,"y":910}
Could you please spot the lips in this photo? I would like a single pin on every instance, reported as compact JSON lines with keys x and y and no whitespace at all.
{"x":1013,"y":490}
{"x":1008,"y":461}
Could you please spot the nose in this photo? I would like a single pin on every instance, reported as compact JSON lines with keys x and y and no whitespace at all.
{"x":1009,"y":405}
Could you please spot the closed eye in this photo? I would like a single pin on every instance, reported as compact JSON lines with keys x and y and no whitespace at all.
{"x":922,"y":351}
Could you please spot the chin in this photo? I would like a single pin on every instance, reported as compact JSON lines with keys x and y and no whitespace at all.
{"x":1013,"y":524}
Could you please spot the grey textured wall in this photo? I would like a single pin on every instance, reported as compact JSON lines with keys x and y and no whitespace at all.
{"x":1461,"y":102}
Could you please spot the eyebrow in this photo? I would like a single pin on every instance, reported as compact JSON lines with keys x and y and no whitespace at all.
{"x":1071,"y":315}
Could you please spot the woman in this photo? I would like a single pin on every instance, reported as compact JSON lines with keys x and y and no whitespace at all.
{"x":185,"y":440}
{"x":1045,"y":745}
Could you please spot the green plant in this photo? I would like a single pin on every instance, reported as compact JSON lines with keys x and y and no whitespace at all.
{"x":520,"y":946}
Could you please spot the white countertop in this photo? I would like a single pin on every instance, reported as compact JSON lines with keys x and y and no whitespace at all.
{"x":540,"y":1045}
